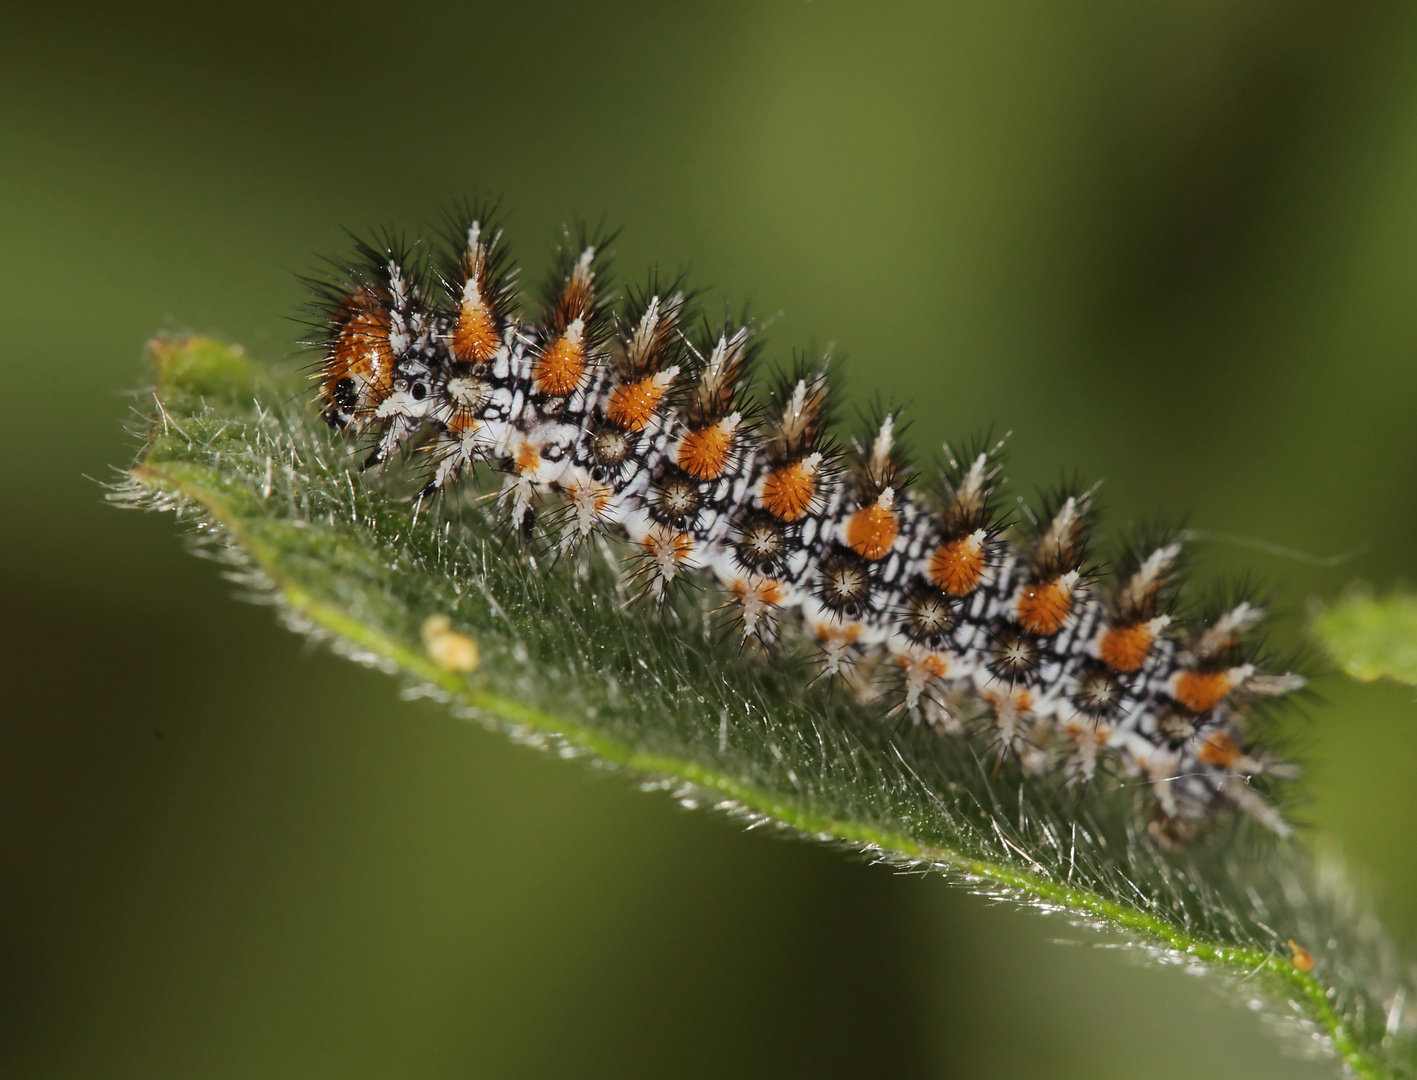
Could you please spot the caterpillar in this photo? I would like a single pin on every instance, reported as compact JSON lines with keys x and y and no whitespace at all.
{"x":638,"y":418}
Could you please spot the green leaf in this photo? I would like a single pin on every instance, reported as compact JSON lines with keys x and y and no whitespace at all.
{"x":567,"y":663}
{"x":1372,"y":638}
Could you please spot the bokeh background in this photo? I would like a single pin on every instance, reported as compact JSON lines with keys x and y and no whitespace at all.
{"x":1172,"y":244}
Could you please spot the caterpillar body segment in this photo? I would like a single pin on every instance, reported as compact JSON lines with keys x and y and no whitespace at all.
{"x":625,"y":418}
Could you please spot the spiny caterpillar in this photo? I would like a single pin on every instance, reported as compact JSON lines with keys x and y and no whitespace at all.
{"x":632,"y":419}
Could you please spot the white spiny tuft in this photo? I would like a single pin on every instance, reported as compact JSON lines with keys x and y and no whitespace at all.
{"x":398,"y":285}
{"x":975,"y":479}
{"x":1059,"y":534}
{"x":640,"y":343}
{"x":1153,"y":567}
{"x":1232,"y":625}
{"x":1275,"y":685}
{"x":885,"y":442}
{"x":797,"y":406}
{"x":582,"y":275}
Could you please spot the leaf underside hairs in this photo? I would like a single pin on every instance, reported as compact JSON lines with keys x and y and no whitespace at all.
{"x":551,"y":650}
{"x":637,"y":418}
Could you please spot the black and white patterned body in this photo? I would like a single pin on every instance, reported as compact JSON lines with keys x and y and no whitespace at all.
{"x":622,"y":422}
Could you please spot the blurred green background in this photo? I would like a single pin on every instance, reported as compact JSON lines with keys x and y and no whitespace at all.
{"x":1172,"y":244}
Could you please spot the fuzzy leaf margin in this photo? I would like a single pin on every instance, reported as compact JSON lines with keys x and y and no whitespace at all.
{"x":566,"y":664}
{"x":1370,"y":637}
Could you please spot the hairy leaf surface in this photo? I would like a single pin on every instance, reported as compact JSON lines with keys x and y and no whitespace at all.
{"x":567,"y":663}
{"x":1372,"y":637}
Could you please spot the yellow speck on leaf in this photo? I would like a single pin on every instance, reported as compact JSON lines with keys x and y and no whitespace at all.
{"x":447,"y":648}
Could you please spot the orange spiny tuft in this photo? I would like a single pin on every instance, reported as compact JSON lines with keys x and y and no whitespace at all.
{"x":761,"y":591}
{"x":872,"y":530}
{"x":562,"y":366}
{"x":788,"y":491}
{"x":1125,"y":648}
{"x":1017,"y":701}
{"x":462,"y":422}
{"x":633,"y":406}
{"x":1201,"y":691}
{"x":361,"y":348}
{"x":1219,"y":749}
{"x":474,"y":339}
{"x":704,"y":454}
{"x":661,"y":545}
{"x":1089,"y":730}
{"x":929,"y":666}
{"x":528,"y":457}
{"x":837,"y":635}
{"x":958,"y":566}
{"x":1043,"y":606}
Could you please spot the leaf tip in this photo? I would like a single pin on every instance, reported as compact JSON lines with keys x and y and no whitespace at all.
{"x":1371,"y":638}
{"x":202,"y":366}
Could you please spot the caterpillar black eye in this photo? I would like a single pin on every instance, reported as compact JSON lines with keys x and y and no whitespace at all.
{"x":345,"y":394}
{"x":418,"y":391}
